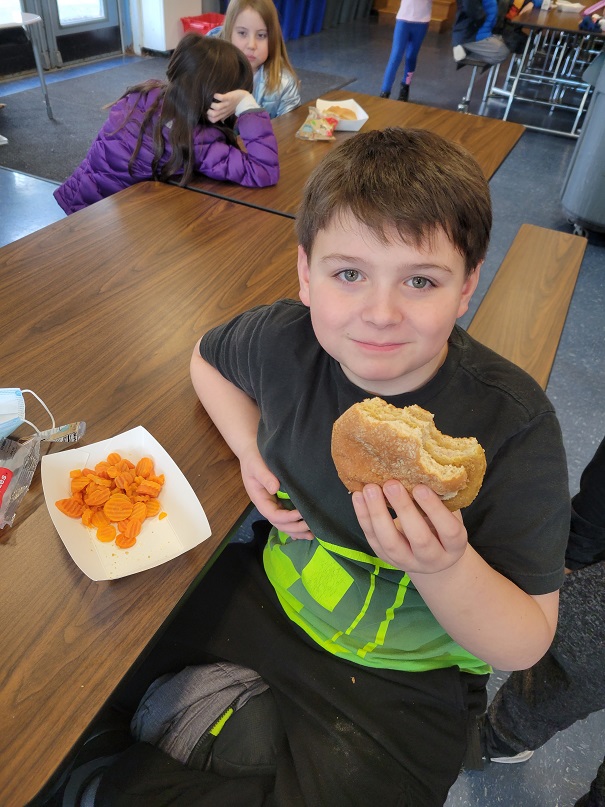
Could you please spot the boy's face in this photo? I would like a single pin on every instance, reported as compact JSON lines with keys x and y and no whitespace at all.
{"x":383,"y":311}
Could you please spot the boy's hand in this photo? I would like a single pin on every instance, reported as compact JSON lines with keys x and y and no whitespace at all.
{"x":224,"y":105}
{"x":262,"y":486}
{"x":414,"y":541}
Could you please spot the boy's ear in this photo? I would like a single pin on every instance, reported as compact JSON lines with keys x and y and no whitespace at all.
{"x":303,"y":276}
{"x":468,"y":289}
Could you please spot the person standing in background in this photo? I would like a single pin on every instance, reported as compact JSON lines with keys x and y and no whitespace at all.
{"x":411,"y":25}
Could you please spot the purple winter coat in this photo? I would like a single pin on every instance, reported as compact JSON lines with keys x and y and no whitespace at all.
{"x":104,"y":170}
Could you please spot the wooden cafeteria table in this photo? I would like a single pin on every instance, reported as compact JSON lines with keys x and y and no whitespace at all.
{"x":101,"y":311}
{"x":488,"y":139}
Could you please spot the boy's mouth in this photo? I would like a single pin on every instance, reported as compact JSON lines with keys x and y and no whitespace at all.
{"x":378,"y":346}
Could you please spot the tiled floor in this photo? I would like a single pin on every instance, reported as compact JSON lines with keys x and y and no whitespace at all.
{"x":26,"y":205}
{"x":526,"y":188}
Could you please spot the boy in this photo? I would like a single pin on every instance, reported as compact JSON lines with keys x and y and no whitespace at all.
{"x":385,"y":627}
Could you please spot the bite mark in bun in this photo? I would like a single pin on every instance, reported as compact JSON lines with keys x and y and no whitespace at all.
{"x":374,"y":441}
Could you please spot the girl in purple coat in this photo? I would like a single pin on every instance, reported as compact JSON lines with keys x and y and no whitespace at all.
{"x":160,"y":130}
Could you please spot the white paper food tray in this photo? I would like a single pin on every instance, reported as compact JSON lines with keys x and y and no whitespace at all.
{"x":160,"y":540}
{"x":345,"y":125}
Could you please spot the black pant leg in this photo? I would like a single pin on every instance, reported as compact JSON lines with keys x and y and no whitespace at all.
{"x":356,"y":735}
{"x":567,"y":684}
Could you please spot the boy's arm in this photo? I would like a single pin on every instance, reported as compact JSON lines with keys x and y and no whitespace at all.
{"x":234,"y":413}
{"x":237,"y":416}
{"x":482,"y":610}
{"x":489,"y":615}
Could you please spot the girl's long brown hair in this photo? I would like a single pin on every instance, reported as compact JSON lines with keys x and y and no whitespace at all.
{"x":198,"y":69}
{"x":277,"y":60}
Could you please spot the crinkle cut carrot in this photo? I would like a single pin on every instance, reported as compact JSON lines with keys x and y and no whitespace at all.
{"x":148,"y":488}
{"x":139,"y":511}
{"x":99,"y":519}
{"x":152,"y":507}
{"x":78,"y":483}
{"x":70,"y":507}
{"x":118,"y":492}
{"x":118,"y":507}
{"x":96,"y":497}
{"x":144,"y":467}
{"x":124,"y":479}
{"x":124,"y":542}
{"x":107,"y":533}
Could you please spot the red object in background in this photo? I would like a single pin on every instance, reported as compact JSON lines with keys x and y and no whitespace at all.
{"x":202,"y":23}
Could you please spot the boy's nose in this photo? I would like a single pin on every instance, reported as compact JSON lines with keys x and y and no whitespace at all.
{"x":381,"y":309}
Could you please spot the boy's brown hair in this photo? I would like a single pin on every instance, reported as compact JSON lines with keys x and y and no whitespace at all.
{"x":411,"y":179}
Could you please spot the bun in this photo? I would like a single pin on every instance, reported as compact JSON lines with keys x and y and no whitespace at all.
{"x":374,"y":442}
{"x":342,"y":111}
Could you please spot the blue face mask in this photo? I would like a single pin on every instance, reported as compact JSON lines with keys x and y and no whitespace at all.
{"x":12,"y":410}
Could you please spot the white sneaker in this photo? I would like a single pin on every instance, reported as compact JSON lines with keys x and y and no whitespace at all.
{"x":459,"y":53}
{"x":522,"y":756}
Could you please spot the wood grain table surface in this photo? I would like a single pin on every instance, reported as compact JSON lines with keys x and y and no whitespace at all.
{"x":101,"y":311}
{"x":554,"y":19}
{"x":488,"y":139}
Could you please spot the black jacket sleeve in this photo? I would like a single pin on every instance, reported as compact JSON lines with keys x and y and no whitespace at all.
{"x":587,"y":531}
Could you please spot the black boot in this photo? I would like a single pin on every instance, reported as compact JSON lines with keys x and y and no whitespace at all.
{"x":385,"y":94}
{"x":404,"y":92}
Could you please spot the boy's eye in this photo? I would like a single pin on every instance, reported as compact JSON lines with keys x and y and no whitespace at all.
{"x":349,"y":275}
{"x":419,"y":282}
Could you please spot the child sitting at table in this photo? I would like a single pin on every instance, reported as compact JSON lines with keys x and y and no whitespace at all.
{"x":473,"y":31}
{"x":373,"y":617}
{"x":253,"y":27}
{"x":162,"y":129}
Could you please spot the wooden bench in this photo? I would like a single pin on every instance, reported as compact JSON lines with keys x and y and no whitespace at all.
{"x":524,"y":310}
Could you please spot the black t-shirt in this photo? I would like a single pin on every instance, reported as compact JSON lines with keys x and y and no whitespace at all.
{"x":518,"y":523}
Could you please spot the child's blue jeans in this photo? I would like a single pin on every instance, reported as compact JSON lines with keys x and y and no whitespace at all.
{"x":407,"y":39}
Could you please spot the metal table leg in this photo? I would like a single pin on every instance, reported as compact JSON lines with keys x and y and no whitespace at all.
{"x":520,"y":65}
{"x":34,"y":45}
